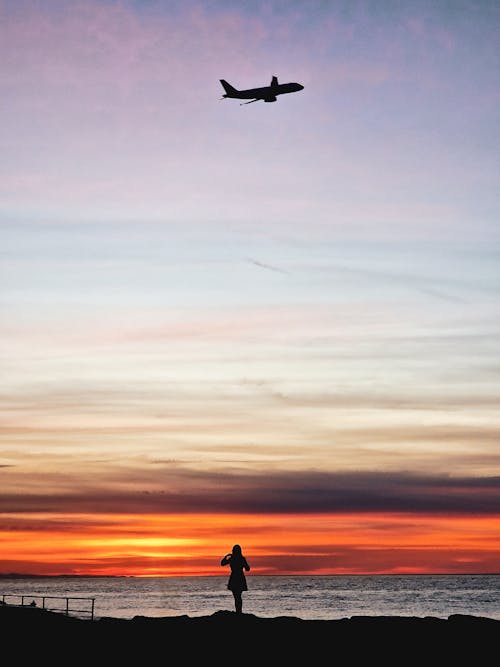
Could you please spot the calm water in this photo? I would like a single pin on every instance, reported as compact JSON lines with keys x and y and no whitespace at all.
{"x":318,"y":597}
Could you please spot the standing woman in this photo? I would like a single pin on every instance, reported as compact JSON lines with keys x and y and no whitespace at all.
{"x":237,"y":581}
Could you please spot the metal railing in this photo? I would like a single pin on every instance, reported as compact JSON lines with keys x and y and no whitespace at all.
{"x":22,"y":600}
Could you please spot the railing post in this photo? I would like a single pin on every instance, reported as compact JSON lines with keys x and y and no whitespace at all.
{"x":67,"y":606}
{"x":92,"y":613}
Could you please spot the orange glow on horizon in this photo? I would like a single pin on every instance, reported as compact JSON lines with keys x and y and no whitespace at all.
{"x":192,"y":545}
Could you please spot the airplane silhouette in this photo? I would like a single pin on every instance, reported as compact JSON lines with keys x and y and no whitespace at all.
{"x":268,"y":93}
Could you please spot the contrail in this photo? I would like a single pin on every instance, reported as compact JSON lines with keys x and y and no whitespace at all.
{"x":268,"y":266}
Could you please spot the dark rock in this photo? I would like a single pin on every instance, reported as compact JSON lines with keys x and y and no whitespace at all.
{"x":51,"y":638}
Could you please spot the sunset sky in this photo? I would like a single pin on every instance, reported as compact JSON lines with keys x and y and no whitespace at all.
{"x":276,"y":324}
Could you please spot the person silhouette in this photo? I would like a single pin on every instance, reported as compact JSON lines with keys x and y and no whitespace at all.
{"x":237,"y":582}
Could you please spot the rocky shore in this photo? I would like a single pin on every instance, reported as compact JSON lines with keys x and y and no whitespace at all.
{"x":223,"y":636}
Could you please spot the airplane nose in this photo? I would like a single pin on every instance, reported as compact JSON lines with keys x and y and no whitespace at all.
{"x":300,"y":86}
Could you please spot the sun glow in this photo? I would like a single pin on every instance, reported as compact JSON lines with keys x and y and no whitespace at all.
{"x":192,"y":544}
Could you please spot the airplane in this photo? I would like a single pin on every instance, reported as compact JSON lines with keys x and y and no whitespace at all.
{"x":268,"y":93}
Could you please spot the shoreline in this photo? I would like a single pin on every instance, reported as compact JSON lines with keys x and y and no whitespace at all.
{"x":387,"y":638}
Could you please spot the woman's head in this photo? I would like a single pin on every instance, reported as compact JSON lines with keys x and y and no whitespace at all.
{"x":236,"y":550}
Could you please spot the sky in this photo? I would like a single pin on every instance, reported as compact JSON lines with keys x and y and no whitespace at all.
{"x":274,"y":324}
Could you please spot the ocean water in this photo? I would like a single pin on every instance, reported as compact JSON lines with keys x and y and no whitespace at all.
{"x":316,"y":597}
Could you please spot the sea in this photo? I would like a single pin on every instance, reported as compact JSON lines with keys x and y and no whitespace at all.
{"x":307,"y":597}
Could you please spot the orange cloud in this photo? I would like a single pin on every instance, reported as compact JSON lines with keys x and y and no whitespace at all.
{"x":191,"y":544}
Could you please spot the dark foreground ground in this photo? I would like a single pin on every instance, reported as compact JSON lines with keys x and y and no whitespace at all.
{"x":34,"y":636}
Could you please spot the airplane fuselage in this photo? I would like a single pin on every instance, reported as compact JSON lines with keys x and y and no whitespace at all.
{"x":268,"y":93}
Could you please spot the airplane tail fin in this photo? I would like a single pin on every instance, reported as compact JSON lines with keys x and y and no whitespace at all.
{"x":230,"y":90}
